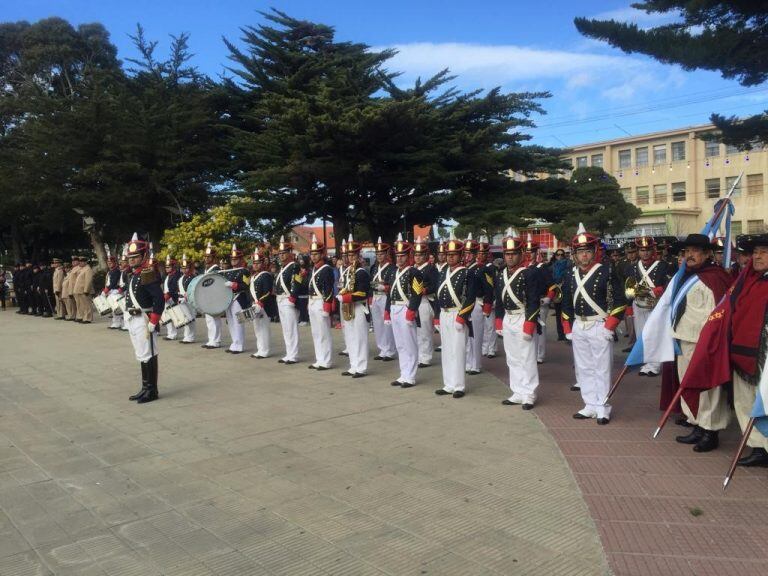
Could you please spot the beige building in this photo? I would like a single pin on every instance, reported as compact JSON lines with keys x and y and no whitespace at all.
{"x":675,"y":178}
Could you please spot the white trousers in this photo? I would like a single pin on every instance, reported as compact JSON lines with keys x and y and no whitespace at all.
{"x":262,"y":333}
{"x":170,"y":330}
{"x":592,"y":356}
{"x":190,"y":332}
{"x":289,"y":322}
{"x":454,"y":354}
{"x":320,"y":322}
{"x":641,"y":317}
{"x":117,"y":319}
{"x":236,"y":330}
{"x":213,"y":324}
{"x":142,"y":345}
{"x":425,"y":331}
{"x":356,"y":340}
{"x":475,"y":343}
{"x":521,"y":360}
{"x":385,"y":340}
{"x":713,"y":413}
{"x":541,"y":339}
{"x":406,"y":342}
{"x":743,"y":399}
{"x":489,"y":335}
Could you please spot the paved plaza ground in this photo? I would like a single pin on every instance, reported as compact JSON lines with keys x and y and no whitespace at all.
{"x":248,"y":466}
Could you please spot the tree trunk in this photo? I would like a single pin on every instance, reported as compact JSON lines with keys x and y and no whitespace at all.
{"x":18,"y":256}
{"x":340,"y":230}
{"x":97,"y":242}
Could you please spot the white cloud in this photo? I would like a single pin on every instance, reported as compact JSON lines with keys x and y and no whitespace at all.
{"x":639,"y":17}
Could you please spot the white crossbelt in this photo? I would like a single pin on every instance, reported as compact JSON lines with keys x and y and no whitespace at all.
{"x":508,"y":287}
{"x":313,"y":283}
{"x":581,"y":291}
{"x":253,"y":285}
{"x":377,"y":277}
{"x":400,"y":291}
{"x":281,"y":278}
{"x":449,"y":285}
{"x":647,"y":273}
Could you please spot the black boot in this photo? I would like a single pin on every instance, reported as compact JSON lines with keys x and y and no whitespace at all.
{"x":144,"y":382}
{"x":759,"y":457}
{"x":691,"y":438}
{"x":709,"y":441}
{"x":151,"y":393}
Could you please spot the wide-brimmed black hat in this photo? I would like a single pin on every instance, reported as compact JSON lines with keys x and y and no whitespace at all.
{"x":748,"y":244}
{"x":696,"y":240}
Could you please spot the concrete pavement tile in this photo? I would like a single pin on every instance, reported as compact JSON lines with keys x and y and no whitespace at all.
{"x":25,"y":564}
{"x":12,"y":542}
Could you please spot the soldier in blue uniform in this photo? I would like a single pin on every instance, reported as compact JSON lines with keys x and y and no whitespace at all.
{"x":171,"y":292}
{"x":188,"y":274}
{"x":262,"y":284}
{"x":287,"y":284}
{"x":237,"y":279}
{"x":382,"y":274}
{"x":212,"y":323}
{"x":428,"y":309}
{"x":144,"y":305}
{"x":517,"y":292}
{"x":456,"y":295}
{"x":353,"y":295}
{"x":593,"y":306}
{"x":320,"y":305}
{"x":402,"y":311}
{"x":548,"y":288}
{"x":484,"y":305}
{"x":487,"y":272}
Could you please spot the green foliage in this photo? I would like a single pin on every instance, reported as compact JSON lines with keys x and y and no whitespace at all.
{"x":727,"y":36}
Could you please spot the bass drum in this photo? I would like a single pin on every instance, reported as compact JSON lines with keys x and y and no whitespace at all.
{"x":208,"y":294}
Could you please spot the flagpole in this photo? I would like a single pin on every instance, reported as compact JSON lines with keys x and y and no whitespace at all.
{"x":668,"y":411}
{"x":616,"y":384}
{"x":742,"y":445}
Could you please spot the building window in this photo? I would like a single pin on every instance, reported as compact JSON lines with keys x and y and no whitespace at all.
{"x":736,"y":228}
{"x":625,"y":158}
{"x":755,"y":226}
{"x":731,"y":150}
{"x":641,"y":156}
{"x":712,"y":186}
{"x":581,"y":162}
{"x":678,"y":151}
{"x":627,"y":194}
{"x":711,"y":149}
{"x":641,"y":194}
{"x":660,"y":154}
{"x":678,"y":192}
{"x":597,"y":160}
{"x":754,"y":184}
{"x":659,"y":193}
{"x":729,"y":183}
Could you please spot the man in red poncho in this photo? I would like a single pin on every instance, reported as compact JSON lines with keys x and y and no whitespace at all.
{"x":702,"y":286}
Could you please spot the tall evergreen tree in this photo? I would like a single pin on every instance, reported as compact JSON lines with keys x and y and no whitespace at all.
{"x":726,"y":35}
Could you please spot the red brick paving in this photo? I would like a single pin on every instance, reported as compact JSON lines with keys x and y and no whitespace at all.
{"x":642,"y":493}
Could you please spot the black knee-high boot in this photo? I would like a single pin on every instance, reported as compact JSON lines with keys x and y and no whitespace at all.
{"x":144,"y":382}
{"x":151,"y":393}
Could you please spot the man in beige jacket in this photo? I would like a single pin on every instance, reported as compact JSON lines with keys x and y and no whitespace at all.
{"x":58,"y":280}
{"x":84,"y":291}
{"x":67,"y":288}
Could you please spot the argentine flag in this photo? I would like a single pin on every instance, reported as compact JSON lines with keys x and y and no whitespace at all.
{"x":760,"y":407}
{"x":655,"y":342}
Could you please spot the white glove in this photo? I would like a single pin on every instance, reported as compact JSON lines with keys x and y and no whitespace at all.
{"x":459,"y":327}
{"x":605,"y":333}
{"x":527,"y":337}
{"x":380,"y":287}
{"x":545,"y":301}
{"x":569,"y":337}
{"x":151,"y":327}
{"x":325,"y":314}
{"x":228,"y":284}
{"x":409,"y":323}
{"x":340,"y":298}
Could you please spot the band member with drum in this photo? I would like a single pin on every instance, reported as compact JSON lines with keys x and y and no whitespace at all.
{"x":382,"y":274}
{"x":188,"y":274}
{"x":517,"y":309}
{"x":287,"y":282}
{"x":112,"y":286}
{"x":402,"y":311}
{"x":456,"y":295}
{"x":261,"y":287}
{"x":144,"y":305}
{"x":353,"y":295}
{"x":212,"y":323}
{"x":171,"y":292}
{"x":428,"y":309}
{"x":237,"y":279}
{"x":649,"y":278}
{"x":320,"y":305}
{"x":125,"y":276}
{"x":593,"y":306}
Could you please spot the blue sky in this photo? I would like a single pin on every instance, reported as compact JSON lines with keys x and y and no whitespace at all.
{"x":598,"y":92}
